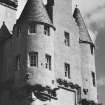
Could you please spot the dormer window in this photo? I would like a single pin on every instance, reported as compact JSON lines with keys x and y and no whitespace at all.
{"x":32,"y":28}
{"x":46,"y":30}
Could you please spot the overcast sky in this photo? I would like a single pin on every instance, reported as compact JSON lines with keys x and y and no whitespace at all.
{"x":93,"y":12}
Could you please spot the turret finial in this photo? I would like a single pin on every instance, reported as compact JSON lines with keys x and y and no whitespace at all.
{"x":76,"y":5}
{"x":3,"y":22}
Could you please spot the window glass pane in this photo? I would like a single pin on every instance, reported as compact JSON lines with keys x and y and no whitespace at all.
{"x":32,"y":28}
{"x":18,"y":62}
{"x":48,"y":62}
{"x":67,"y":70}
{"x":33,"y":57}
{"x":46,"y":30}
{"x":67,"y":43}
{"x":93,"y":78}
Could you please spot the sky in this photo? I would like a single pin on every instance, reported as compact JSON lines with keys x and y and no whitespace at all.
{"x":93,"y":12}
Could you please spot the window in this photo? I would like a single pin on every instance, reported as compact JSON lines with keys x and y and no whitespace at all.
{"x":85,"y":91}
{"x":67,"y":70}
{"x":48,"y":62}
{"x":18,"y":62}
{"x":93,"y":78}
{"x":18,"y":30}
{"x":46,"y":30}
{"x":33,"y":57}
{"x":92,"y":49}
{"x":32,"y":28}
{"x":67,"y":43}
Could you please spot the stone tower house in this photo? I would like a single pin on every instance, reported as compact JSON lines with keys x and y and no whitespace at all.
{"x":46,"y":55}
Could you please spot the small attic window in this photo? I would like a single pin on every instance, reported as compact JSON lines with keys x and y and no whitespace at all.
{"x":32,"y":28}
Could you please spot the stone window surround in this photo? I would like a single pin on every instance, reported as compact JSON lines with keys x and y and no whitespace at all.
{"x":48,"y":61}
{"x":67,"y":38}
{"x":67,"y":70}
{"x":33,"y":59}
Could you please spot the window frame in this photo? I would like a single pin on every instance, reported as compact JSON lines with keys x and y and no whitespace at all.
{"x":33,"y":59}
{"x":67,"y":70}
{"x":67,"y":38}
{"x":32,"y":29}
{"x":48,"y":61}
{"x":93,"y":78}
{"x":47,"y":30}
{"x":18,"y":62}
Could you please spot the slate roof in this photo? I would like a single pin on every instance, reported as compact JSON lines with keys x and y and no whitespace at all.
{"x":82,"y":27}
{"x":34,"y":11}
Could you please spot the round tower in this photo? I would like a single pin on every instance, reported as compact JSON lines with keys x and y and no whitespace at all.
{"x":87,"y":47}
{"x":35,"y":53}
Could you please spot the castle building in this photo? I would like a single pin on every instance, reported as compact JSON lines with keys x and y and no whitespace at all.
{"x":47,"y":56}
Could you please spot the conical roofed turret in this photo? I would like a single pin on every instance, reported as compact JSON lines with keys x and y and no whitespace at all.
{"x":33,"y":27}
{"x":34,"y":11}
{"x":82,"y":27}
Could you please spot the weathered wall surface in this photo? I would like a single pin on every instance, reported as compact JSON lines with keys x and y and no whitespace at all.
{"x":63,"y":21}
